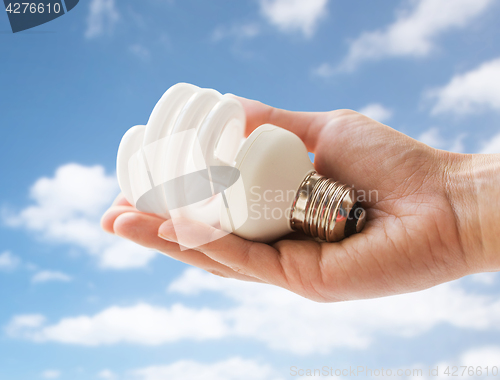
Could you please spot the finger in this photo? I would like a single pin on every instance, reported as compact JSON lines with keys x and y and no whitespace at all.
{"x":120,"y":200}
{"x":242,"y":256}
{"x":306,"y":125}
{"x":143,"y":229}
{"x":108,"y":219}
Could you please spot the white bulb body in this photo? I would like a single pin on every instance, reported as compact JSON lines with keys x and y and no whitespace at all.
{"x":272,"y":162}
{"x":193,"y":133}
{"x":190,"y":130}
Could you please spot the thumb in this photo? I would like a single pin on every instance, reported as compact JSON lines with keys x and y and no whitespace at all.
{"x":306,"y":125}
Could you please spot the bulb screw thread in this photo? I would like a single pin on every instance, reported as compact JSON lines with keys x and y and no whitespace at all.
{"x":326,"y":209}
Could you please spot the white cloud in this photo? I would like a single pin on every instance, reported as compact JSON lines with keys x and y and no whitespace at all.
{"x":324,"y":70}
{"x":289,"y":16}
{"x":51,"y":374}
{"x":140,"y":51}
{"x":8,"y":261}
{"x":46,"y":276}
{"x":484,"y":278}
{"x":65,"y":203}
{"x":432,"y":137}
{"x":231,"y":369}
{"x":272,"y":316}
{"x":481,"y":357}
{"x":106,"y":374}
{"x":472,"y":359}
{"x":477,"y":360}
{"x":471,"y":92}
{"x":67,"y":209}
{"x":21,"y":325}
{"x":238,"y":31}
{"x":122,"y":254}
{"x":102,"y":17}
{"x":377,"y":112}
{"x":141,"y":324}
{"x":245,"y":369}
{"x":414,"y":31}
{"x":492,"y":146}
{"x":287,"y":322}
{"x":294,"y":15}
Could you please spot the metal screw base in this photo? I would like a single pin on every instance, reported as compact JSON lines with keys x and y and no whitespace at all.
{"x":326,"y":209}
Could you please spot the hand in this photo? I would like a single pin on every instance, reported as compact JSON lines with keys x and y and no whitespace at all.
{"x":423,"y":223}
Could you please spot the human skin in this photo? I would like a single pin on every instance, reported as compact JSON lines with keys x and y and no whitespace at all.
{"x":434,"y":219}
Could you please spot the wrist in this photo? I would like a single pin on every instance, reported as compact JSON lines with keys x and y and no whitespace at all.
{"x":474,"y":193}
{"x":487,"y":191}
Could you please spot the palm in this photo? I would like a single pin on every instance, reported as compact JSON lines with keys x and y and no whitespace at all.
{"x":408,"y":242}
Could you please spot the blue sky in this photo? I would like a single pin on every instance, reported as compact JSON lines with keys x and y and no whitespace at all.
{"x":76,"y":303}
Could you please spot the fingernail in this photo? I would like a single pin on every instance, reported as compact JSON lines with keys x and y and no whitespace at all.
{"x":167,"y":232}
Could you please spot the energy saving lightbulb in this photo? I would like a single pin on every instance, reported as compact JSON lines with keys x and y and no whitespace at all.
{"x":191,"y":160}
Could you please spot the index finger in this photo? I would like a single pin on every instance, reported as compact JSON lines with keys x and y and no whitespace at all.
{"x":120,"y":200}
